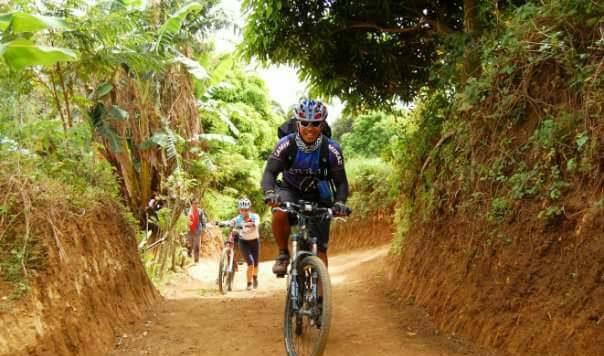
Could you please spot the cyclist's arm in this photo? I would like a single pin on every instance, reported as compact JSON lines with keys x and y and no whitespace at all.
{"x":341,"y":184}
{"x":229,"y":223}
{"x":271,"y":171}
{"x":275,"y":164}
{"x":338,"y":172}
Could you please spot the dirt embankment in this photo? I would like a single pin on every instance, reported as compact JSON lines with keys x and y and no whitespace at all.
{"x":92,"y":284}
{"x":527,"y":288}
{"x":506,"y":242}
{"x":354,"y":233}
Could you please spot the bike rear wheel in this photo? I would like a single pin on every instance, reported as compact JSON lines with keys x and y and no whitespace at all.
{"x":306,"y":328}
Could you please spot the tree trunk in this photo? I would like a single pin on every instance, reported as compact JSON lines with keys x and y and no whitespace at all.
{"x":130,"y":181}
{"x":55,"y":96}
{"x":65,"y":96}
{"x":472,"y":29}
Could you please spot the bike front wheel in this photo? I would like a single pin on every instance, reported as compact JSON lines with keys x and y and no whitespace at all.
{"x":308,"y":315}
{"x":225,"y":277}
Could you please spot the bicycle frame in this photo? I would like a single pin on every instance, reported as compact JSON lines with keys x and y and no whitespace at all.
{"x":302,"y":236}
{"x":227,"y":258}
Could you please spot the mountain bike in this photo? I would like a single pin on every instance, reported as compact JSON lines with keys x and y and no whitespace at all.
{"x":226,"y":265}
{"x":308,"y":306}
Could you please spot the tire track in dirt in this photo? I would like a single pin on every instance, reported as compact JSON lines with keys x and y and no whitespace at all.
{"x":196,"y":320}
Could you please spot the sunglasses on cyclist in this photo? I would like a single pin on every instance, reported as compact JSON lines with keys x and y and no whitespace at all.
{"x":310,"y":123}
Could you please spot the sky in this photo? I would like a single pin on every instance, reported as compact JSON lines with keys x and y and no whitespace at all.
{"x":282,"y":81}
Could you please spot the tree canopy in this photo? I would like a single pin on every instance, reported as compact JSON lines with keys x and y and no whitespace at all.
{"x":377,"y":51}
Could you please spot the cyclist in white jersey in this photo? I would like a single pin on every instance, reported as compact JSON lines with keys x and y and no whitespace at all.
{"x":249,"y":240}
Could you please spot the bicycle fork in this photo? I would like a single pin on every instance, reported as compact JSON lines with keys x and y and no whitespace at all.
{"x":230,"y":261}
{"x":294,"y":282}
{"x":293,"y":275}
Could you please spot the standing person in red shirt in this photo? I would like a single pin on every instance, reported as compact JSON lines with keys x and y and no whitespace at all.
{"x":196,"y":226}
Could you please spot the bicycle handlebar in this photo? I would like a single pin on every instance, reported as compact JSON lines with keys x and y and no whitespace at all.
{"x":227,"y":224}
{"x":306,"y":208}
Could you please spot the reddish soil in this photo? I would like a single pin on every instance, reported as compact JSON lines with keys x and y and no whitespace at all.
{"x":92,"y":284}
{"x":523,"y":287}
{"x":196,"y":320}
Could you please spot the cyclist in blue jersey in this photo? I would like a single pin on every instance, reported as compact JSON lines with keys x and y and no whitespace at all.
{"x":312,"y":168}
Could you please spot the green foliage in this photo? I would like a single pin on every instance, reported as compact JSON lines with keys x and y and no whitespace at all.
{"x":342,"y":126}
{"x":19,"y":22}
{"x":67,"y":157}
{"x":236,"y":109}
{"x":20,"y":54}
{"x":416,"y":133}
{"x":196,"y":70}
{"x":19,"y":51}
{"x":521,"y":134}
{"x":175,"y":22}
{"x":370,"y":135}
{"x":365,"y":52}
{"x":43,"y":171}
{"x":525,"y":183}
{"x":499,"y":210}
{"x":371,"y":185}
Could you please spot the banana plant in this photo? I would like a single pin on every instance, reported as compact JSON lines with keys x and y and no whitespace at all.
{"x":20,"y":52}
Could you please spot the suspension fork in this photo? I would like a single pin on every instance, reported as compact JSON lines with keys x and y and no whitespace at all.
{"x":293,"y":275}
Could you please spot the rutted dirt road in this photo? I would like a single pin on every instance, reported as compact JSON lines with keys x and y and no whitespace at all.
{"x":196,"y":320}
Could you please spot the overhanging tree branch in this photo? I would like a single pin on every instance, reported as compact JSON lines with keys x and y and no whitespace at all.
{"x":376,"y":27}
{"x":424,"y":25}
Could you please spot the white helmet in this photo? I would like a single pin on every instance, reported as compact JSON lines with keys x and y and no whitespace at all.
{"x":244,"y":203}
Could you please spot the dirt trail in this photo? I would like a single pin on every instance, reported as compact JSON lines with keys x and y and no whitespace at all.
{"x":196,"y":320}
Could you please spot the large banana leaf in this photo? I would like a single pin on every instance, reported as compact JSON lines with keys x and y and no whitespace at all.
{"x":215,"y":137}
{"x":20,"y":54}
{"x":174,"y":23}
{"x":23,"y":22}
{"x":193,"y":67}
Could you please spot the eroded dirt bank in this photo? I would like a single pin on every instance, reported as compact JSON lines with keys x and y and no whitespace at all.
{"x":527,"y":288}
{"x":92,"y":284}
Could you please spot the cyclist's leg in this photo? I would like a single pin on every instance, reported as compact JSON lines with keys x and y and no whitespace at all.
{"x":190,"y":244}
{"x":196,"y":245}
{"x":281,"y":224}
{"x":244,"y":246}
{"x":255,"y":250}
{"x":281,"y":229}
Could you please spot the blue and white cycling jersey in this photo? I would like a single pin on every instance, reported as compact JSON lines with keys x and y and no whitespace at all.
{"x":305,"y":170}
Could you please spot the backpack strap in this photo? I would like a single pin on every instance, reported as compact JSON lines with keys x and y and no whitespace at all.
{"x":324,"y":158}
{"x":292,"y":150}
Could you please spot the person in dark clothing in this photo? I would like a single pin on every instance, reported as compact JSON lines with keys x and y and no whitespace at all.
{"x":312,"y":168}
